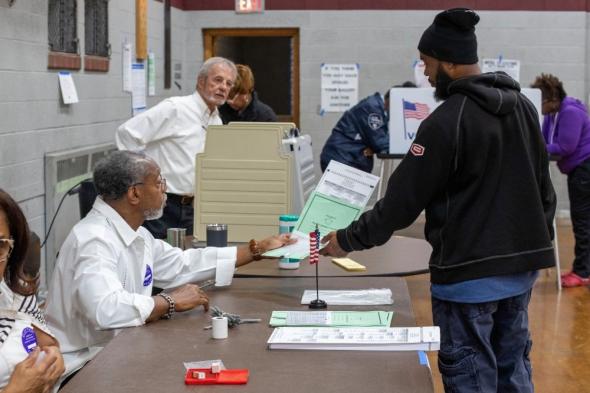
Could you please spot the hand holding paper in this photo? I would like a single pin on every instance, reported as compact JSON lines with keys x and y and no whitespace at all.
{"x":339,"y":199}
{"x":331,"y":246}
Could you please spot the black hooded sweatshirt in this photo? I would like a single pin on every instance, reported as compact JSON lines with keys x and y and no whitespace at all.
{"x":479,"y":168}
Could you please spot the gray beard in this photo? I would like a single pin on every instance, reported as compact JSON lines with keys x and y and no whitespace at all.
{"x":154,"y":214}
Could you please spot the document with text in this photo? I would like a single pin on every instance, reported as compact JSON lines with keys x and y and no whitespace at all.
{"x":339,"y":198}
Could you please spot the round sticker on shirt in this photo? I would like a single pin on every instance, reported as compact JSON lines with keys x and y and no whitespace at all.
{"x":29,"y":339}
{"x":148,"y":276}
{"x":375,"y":121}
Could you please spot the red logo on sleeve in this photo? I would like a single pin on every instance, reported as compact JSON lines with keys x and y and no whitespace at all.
{"x":417,"y":150}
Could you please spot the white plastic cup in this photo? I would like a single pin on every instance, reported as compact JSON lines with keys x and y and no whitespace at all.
{"x":219,"y":329}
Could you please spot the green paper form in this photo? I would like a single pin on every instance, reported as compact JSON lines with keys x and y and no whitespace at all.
{"x":338,"y":199}
{"x":332,"y":318}
{"x":329,"y":213}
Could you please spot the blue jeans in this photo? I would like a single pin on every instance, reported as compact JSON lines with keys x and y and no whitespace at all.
{"x":484,"y":346}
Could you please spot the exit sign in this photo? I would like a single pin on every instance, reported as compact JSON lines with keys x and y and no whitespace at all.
{"x":249,"y":6}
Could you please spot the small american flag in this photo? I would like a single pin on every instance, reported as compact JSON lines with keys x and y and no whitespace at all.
{"x":314,"y":246}
{"x":415,"y":110}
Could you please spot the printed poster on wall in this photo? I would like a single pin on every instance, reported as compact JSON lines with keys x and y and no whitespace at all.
{"x":68,"y":89}
{"x":420,"y":79}
{"x":151,"y":74}
{"x":126,"y":64}
{"x":138,"y":88}
{"x":408,"y":107}
{"x":340,"y":85}
{"x":511,"y":67}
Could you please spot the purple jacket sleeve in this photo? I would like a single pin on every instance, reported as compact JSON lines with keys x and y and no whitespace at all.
{"x":569,"y":129}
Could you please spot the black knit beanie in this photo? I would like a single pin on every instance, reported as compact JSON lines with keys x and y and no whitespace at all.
{"x":451,"y":37}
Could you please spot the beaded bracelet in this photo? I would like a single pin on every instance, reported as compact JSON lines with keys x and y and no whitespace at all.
{"x":171,"y":305}
{"x":255,"y":250}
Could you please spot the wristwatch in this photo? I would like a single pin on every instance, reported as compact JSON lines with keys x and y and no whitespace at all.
{"x":171,"y":305}
{"x":255,"y":250}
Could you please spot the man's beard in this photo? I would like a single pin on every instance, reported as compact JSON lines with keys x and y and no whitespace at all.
{"x":155,"y":213}
{"x":213,"y":99}
{"x":441,"y":88}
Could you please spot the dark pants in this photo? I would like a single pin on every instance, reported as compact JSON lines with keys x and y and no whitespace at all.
{"x":178,"y":213}
{"x":484,"y":346}
{"x":578,"y":186}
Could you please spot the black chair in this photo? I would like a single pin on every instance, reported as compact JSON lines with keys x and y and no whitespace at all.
{"x":86,"y":197}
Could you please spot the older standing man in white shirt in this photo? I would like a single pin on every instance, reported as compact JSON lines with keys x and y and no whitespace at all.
{"x":173,"y":132}
{"x":108,"y":263}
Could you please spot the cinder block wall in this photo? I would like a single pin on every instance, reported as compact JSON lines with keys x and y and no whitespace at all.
{"x":384,"y":44}
{"x":34,"y":121}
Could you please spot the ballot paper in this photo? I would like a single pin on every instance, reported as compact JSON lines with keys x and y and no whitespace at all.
{"x":331,"y":318}
{"x":339,"y":198}
{"x":353,"y":297}
{"x":356,"y":339}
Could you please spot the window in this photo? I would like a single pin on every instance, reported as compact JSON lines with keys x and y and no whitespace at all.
{"x":96,"y":32}
{"x":62,"y":26}
{"x":96,"y":35}
{"x":62,"y":35}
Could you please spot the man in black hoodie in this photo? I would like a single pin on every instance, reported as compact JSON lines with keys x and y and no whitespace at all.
{"x":479,"y":168}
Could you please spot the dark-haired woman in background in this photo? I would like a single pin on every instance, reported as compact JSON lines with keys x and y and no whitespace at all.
{"x":243,"y":103}
{"x":30,"y":360}
{"x":566,"y":128}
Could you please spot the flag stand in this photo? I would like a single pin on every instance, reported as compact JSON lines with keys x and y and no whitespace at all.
{"x":314,"y":257}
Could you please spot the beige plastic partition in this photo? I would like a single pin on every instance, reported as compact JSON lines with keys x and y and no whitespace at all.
{"x":243,"y":179}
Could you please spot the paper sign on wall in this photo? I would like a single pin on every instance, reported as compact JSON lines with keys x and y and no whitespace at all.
{"x":151,"y":74}
{"x":511,"y":67}
{"x":138,"y":87}
{"x":340,"y":84}
{"x":67,"y":87}
{"x":126,"y":67}
{"x":420,"y":79}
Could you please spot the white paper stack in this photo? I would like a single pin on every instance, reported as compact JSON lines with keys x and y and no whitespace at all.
{"x":425,"y":338}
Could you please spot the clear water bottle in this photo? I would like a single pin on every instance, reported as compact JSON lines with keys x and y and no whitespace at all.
{"x":286,"y":225}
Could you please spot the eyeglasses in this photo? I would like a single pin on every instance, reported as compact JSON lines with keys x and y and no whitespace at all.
{"x":6,"y":246}
{"x":161,"y":182}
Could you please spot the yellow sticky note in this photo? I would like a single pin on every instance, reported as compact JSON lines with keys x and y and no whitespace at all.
{"x":349,"y":265}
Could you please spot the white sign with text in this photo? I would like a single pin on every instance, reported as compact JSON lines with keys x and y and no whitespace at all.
{"x":340,"y":85}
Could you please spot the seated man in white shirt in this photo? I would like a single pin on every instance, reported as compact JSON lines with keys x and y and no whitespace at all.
{"x":107,"y":265}
{"x":173,"y":132}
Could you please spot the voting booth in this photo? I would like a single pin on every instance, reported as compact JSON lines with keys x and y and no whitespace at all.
{"x":300,"y":147}
{"x":408,"y":107}
{"x":248,"y":175}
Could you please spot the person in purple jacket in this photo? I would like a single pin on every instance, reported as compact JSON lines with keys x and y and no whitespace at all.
{"x":566,"y":128}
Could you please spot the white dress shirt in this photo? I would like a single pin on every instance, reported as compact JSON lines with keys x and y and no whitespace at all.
{"x":18,"y":316}
{"x":172,"y":133}
{"x":104,"y":275}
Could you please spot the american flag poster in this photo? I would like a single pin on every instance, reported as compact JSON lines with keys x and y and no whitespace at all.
{"x":415,"y":110}
{"x":408,"y":108}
